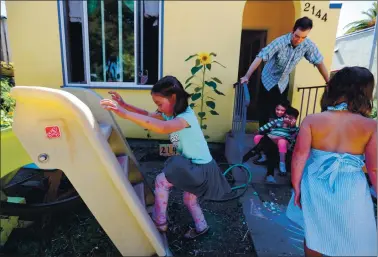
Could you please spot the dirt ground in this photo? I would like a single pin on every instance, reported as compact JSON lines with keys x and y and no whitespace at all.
{"x":77,"y":233}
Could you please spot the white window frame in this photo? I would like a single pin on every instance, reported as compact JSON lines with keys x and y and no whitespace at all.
{"x":86,"y":57}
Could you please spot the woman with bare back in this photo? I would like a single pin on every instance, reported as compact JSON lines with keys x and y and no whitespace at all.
{"x":331,"y":192}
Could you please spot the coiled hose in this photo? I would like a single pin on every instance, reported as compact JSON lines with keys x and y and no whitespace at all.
{"x":245,"y":185}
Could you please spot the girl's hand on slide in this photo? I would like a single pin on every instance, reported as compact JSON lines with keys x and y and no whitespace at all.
{"x":113,"y":106}
{"x":116,"y":97}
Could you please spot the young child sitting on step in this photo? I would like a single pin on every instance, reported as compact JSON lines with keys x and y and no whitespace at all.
{"x":279,"y":112}
{"x":283,"y":134}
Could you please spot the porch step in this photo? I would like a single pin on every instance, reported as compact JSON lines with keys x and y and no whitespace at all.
{"x":252,"y":127}
{"x":273,"y":234}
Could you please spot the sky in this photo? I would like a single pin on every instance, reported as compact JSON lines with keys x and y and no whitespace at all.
{"x":3,"y":10}
{"x":351,"y":11}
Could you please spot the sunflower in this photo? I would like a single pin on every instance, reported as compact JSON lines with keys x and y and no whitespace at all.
{"x":204,"y":58}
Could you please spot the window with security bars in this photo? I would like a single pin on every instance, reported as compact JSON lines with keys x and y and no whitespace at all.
{"x":111,"y":42}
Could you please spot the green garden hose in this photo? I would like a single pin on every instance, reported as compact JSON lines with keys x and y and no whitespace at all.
{"x":245,"y":186}
{"x":246,"y":169}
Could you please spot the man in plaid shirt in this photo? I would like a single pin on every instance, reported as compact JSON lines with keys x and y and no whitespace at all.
{"x":281,"y":57}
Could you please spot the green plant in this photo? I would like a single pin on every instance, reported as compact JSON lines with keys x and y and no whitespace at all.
{"x":7,"y":104}
{"x":368,"y":22}
{"x":203,"y":86}
{"x":373,"y":114}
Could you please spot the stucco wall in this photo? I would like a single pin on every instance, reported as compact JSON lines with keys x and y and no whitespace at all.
{"x":355,"y":50}
{"x":34,"y":41}
{"x":189,"y":27}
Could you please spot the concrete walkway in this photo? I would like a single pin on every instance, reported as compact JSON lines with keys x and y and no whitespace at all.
{"x":264,"y":207}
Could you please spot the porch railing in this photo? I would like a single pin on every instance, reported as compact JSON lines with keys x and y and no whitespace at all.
{"x":242,"y":99}
{"x":312,"y":95}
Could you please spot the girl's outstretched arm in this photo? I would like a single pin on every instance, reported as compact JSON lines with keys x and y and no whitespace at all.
{"x":147,"y":122}
{"x":116,"y":97}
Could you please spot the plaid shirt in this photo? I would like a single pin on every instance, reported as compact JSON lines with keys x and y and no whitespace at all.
{"x":281,"y":59}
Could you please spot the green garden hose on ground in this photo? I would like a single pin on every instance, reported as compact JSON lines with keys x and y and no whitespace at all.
{"x":244,"y":186}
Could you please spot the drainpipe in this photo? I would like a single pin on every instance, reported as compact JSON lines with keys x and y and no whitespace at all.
{"x":373,"y":46}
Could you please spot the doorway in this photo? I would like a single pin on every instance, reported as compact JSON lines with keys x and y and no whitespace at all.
{"x":252,"y":41}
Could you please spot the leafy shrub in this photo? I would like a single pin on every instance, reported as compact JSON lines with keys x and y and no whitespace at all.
{"x":7,"y":104}
{"x":373,"y":114}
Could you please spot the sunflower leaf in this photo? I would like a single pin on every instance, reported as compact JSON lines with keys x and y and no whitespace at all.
{"x":195,"y":69}
{"x":189,"y":79}
{"x":211,"y":104}
{"x":217,"y":80}
{"x":211,"y":84}
{"x":190,"y":57}
{"x":218,"y":92}
{"x":196,"y":96}
{"x":201,"y":114}
{"x":219,"y":64}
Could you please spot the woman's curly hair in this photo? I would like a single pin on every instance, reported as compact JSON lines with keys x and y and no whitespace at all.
{"x":353,"y":85}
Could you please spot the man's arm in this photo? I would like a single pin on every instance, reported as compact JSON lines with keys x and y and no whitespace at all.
{"x":256,"y":63}
{"x":264,"y":55}
{"x":314,"y":56}
{"x":323,"y":71}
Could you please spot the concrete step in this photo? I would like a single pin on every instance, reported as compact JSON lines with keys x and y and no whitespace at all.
{"x":273,"y":234}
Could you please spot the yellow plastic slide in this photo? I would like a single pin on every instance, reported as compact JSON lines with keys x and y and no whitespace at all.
{"x":60,"y":131}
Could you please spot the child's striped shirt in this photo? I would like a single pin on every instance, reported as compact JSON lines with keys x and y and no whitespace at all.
{"x":272,"y":124}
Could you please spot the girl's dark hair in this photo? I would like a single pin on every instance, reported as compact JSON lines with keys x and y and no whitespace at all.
{"x":353,"y":85}
{"x":284,"y":103}
{"x":168,"y":86}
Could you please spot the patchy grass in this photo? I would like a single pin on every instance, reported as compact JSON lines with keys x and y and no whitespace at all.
{"x":77,"y":232}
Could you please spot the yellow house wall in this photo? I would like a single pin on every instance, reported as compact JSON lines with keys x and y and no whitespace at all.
{"x":35,"y":43}
{"x":205,"y":26}
{"x":279,"y":21}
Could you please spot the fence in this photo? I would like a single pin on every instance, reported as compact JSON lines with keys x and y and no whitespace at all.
{"x":313,"y":98}
{"x":5,"y":51}
{"x":242,"y":99}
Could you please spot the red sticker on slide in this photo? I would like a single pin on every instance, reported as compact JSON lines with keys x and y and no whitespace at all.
{"x":52,"y":132}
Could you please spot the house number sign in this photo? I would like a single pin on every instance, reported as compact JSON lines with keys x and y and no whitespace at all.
{"x":316,"y":12}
